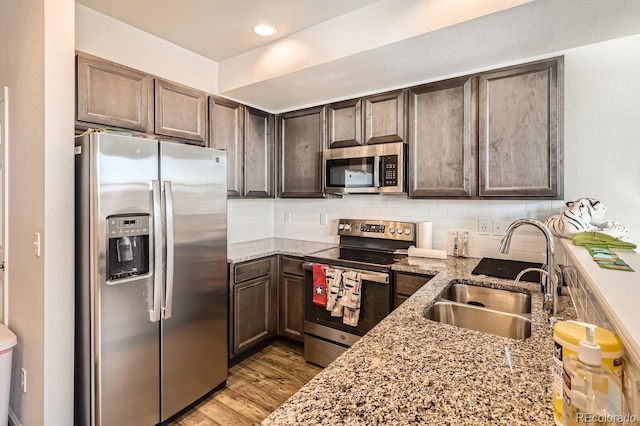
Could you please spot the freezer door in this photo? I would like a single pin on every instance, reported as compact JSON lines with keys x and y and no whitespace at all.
{"x":123,"y":348}
{"x":194,"y":331}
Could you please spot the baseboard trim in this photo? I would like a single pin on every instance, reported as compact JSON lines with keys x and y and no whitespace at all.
{"x":13,"y":420}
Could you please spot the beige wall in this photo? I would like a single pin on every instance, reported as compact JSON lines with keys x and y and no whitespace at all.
{"x":40,"y":200}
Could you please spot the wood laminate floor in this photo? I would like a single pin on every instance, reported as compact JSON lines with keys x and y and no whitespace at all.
{"x":255,"y":387}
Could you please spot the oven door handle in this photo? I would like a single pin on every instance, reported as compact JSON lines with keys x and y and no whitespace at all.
{"x":376,"y":277}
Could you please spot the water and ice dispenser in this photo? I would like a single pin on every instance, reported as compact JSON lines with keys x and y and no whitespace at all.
{"x":129,"y":250}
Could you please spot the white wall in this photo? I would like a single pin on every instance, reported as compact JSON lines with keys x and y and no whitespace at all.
{"x":37,"y":65}
{"x":602,"y":127}
{"x":107,"y":38}
{"x":378,"y":24}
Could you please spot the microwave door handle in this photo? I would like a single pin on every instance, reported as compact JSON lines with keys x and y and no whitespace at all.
{"x":377,"y":183}
{"x":157,"y":251}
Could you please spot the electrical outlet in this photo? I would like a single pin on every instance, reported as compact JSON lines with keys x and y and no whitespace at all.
{"x":484,"y":226}
{"x":287,"y":217}
{"x":23,"y":379}
{"x":499,"y":226}
{"x":324,"y":218}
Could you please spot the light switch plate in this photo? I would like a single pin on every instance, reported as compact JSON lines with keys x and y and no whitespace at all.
{"x":499,"y":226}
{"x":36,"y":244}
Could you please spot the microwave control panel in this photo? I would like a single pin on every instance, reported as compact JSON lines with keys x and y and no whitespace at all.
{"x":390,"y":170}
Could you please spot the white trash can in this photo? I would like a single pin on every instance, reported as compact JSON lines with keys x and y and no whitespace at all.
{"x":7,"y":341}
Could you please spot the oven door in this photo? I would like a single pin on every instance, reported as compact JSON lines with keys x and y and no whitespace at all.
{"x":375,"y":303}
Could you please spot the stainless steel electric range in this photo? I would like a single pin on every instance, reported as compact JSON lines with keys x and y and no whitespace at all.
{"x":369,"y":247}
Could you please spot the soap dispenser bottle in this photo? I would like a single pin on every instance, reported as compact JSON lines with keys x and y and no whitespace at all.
{"x":592,"y":392}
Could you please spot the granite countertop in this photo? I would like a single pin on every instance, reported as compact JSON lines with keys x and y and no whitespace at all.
{"x":241,"y":252}
{"x":410,"y":370}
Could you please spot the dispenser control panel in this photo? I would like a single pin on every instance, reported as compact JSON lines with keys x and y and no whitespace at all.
{"x":129,"y":250}
{"x":133,"y":225}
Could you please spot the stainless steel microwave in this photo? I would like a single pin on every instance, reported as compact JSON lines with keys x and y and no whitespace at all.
{"x":368,"y":169}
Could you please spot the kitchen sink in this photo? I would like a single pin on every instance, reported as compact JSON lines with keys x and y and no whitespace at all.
{"x":492,"y":298}
{"x":480,"y":319}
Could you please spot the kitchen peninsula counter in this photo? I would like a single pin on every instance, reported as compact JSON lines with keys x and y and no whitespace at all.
{"x":410,"y":370}
{"x":241,"y":252}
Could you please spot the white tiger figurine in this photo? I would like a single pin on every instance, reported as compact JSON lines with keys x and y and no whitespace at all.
{"x":582,"y":215}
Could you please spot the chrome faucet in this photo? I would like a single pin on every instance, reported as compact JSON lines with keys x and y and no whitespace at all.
{"x":549,"y":269}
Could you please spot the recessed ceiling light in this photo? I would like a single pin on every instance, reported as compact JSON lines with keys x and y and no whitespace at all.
{"x":264,"y":30}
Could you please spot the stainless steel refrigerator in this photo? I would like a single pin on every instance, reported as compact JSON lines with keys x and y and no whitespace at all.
{"x":151,"y":284}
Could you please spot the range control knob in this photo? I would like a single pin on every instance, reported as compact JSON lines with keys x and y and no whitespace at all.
{"x":347,"y":226}
{"x":407,"y":231}
{"x":341,"y":226}
{"x":392,"y":230}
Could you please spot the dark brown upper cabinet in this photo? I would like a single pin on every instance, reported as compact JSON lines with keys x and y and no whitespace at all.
{"x":248,"y":136}
{"x":384,"y":117}
{"x":259,"y":140}
{"x":344,"y":123}
{"x":442,"y":138}
{"x":113,"y":95}
{"x":520,"y":131}
{"x":181,"y":111}
{"x":302,"y":140}
{"x":226,"y":126}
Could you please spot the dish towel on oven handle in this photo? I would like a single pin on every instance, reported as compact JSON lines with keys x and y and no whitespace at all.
{"x":350,"y":300}
{"x":334,"y":291}
{"x":319,"y":284}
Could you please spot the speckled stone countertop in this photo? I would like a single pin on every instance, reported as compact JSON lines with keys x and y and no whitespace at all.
{"x":240,"y":252}
{"x":409,"y":370}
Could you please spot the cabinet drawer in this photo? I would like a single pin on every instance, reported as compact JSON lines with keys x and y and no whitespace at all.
{"x":252,"y":269}
{"x":292,"y":265}
{"x":409,"y":284}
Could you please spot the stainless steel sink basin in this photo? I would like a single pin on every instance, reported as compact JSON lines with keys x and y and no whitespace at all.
{"x":480,"y":319}
{"x":492,"y":298}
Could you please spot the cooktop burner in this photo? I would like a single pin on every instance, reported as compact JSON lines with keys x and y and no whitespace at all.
{"x":368,"y":244}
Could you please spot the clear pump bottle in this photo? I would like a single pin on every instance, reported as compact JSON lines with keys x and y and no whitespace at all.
{"x":592,"y":392}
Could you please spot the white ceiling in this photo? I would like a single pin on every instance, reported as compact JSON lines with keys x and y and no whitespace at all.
{"x":356,"y":47}
{"x":220,"y":29}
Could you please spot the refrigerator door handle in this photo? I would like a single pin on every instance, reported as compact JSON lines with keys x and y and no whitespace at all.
{"x":168,"y":196}
{"x":157,"y":251}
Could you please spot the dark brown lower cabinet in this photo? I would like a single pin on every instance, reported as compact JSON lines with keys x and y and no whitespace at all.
{"x":407,"y":284}
{"x":253,"y":304}
{"x":291,"y":312}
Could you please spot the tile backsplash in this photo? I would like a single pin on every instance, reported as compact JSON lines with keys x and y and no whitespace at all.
{"x":249,"y":220}
{"x":304,"y":219}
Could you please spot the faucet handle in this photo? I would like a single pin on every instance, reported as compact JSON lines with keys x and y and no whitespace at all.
{"x":547,"y":304}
